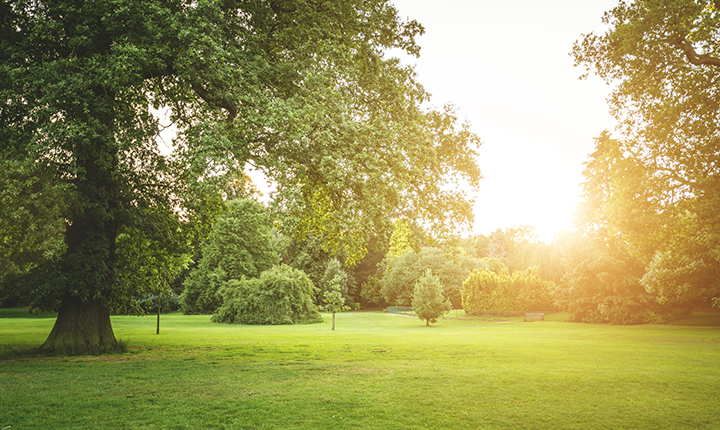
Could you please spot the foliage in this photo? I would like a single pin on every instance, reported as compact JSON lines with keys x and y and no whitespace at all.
{"x":401,"y":274}
{"x":493,"y":265}
{"x":428,"y":301}
{"x":303,"y":91}
{"x":402,"y":239}
{"x":476,"y":246}
{"x":336,"y":276}
{"x":367,"y":272}
{"x":523,"y":290}
{"x":603,"y":286}
{"x":665,"y":58}
{"x":333,"y":298}
{"x":239,"y":246}
{"x":281,"y":295}
{"x":371,"y":290}
{"x":321,"y":266}
{"x":309,"y":256}
{"x":685,"y":271}
{"x":496,"y":247}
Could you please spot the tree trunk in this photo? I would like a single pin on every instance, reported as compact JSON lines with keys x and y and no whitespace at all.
{"x":427,"y":323}
{"x":333,"y":325}
{"x":158,"y":321}
{"x":81,"y":328}
{"x":89,"y":264}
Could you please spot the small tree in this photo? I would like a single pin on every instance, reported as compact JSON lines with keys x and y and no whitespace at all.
{"x":428,"y":300}
{"x":334,"y":300}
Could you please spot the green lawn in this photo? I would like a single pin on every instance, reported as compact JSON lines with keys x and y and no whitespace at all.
{"x":375,"y":371}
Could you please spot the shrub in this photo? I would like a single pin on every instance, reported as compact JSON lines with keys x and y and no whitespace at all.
{"x":281,"y":295}
{"x":521,"y":291}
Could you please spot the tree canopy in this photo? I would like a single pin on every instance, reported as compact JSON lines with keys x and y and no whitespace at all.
{"x":302,"y":90}
{"x":662,"y":175}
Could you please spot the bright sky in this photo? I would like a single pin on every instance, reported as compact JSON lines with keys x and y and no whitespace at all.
{"x":505,"y":66}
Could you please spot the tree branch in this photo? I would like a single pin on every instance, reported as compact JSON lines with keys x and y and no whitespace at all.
{"x":698,"y":59}
{"x":217,"y":101}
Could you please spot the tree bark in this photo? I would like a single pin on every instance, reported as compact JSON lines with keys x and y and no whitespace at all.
{"x":333,"y":324}
{"x":81,"y":328}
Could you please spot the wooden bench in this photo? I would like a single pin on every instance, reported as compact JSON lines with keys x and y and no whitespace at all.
{"x":534,"y":316}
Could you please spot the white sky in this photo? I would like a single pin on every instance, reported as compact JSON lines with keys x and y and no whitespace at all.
{"x":506,"y":67}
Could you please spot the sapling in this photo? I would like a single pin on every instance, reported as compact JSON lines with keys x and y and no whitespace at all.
{"x":334,"y":300}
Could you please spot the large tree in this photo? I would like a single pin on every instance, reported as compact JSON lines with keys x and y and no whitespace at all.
{"x":239,"y":246}
{"x":301,"y":89}
{"x":664,"y":172}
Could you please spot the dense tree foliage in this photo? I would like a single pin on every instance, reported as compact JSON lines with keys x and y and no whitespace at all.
{"x":661,"y":179}
{"x":602,"y":285}
{"x":321,"y":265}
{"x":500,"y":291}
{"x":401,"y":274}
{"x":239,"y":246}
{"x":602,"y":277}
{"x":281,"y":295}
{"x":428,"y":301}
{"x":367,"y":271}
{"x":302,"y":90}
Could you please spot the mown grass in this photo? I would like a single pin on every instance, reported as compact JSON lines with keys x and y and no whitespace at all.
{"x":375,"y":371}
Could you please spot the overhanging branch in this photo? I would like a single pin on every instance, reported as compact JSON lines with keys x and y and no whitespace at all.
{"x":698,"y":59}
{"x":217,"y":101}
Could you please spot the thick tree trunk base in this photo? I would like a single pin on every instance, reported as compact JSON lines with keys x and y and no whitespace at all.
{"x":81,"y":328}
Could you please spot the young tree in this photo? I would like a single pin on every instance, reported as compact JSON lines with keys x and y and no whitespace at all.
{"x":428,"y":301}
{"x":334,"y":300}
{"x":302,"y":90}
{"x":337,"y":275}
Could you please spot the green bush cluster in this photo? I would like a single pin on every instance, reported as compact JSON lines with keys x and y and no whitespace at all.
{"x":602,"y":288}
{"x":402,"y":273}
{"x":521,"y":291}
{"x":281,"y":295}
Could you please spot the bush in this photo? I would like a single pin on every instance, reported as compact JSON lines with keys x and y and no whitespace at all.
{"x":521,"y":291}
{"x":281,"y":295}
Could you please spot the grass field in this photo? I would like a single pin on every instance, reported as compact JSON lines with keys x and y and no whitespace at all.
{"x":375,"y":371}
